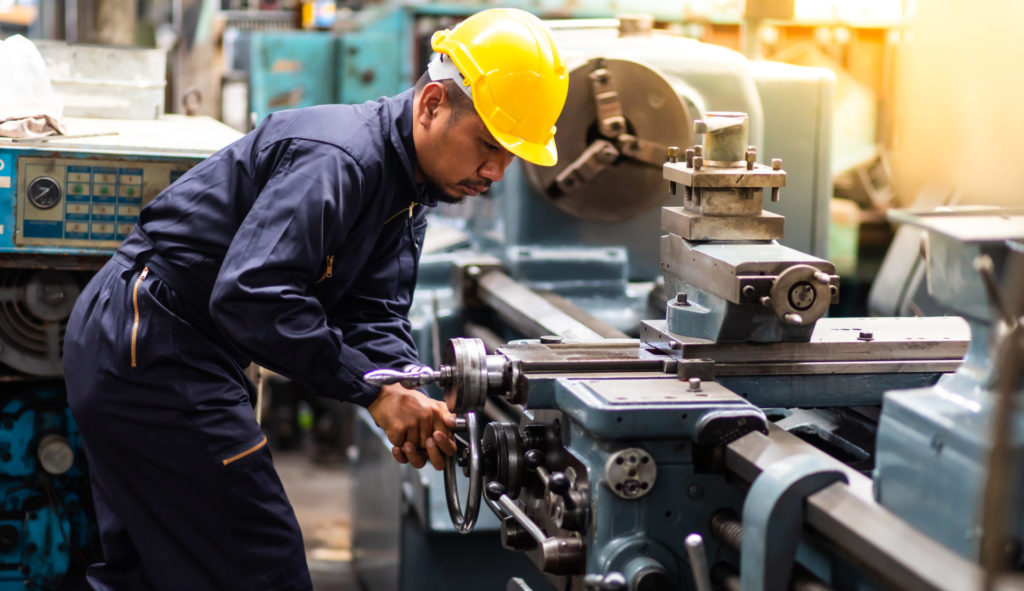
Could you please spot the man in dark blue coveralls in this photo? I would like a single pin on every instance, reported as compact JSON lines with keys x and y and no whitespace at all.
{"x":295,"y":247}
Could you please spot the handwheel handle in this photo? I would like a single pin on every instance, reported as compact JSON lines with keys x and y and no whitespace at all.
{"x":465,"y":521}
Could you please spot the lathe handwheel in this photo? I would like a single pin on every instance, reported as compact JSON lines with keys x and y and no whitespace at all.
{"x":468,"y":388}
{"x":464,"y":521}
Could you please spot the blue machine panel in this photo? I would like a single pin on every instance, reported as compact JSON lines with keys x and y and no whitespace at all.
{"x":82,"y":201}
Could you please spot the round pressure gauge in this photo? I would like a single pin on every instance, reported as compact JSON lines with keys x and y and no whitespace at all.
{"x":44,"y":192}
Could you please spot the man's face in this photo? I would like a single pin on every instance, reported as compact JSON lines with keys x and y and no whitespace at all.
{"x":458,"y":156}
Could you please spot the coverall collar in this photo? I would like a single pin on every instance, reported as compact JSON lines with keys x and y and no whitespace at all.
{"x":400,"y":111}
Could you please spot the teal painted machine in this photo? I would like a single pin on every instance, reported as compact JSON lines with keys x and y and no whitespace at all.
{"x":733,"y":445}
{"x":66,"y":202}
{"x":941,"y":448}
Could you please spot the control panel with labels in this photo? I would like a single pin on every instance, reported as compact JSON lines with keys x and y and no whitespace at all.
{"x":81,"y":194}
{"x":86,"y":202}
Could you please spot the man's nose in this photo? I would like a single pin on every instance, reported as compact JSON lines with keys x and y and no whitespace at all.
{"x":493,"y":169}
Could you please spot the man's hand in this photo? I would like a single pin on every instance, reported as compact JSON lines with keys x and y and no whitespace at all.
{"x":436,"y":451}
{"x":418,"y":426}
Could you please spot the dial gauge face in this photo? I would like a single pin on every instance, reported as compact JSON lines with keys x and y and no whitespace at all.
{"x":44,"y":192}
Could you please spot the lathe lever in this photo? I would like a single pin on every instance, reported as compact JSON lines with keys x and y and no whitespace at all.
{"x":559,"y":555}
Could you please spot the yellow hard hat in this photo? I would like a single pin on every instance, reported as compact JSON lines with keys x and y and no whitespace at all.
{"x":517,"y":77}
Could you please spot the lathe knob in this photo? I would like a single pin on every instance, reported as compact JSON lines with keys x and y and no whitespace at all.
{"x":558,"y":483}
{"x":534,"y":459}
{"x":494,"y":490}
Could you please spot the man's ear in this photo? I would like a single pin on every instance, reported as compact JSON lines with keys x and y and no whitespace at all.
{"x":431,"y":98}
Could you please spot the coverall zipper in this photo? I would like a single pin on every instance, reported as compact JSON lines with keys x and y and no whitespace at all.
{"x":135,"y":305}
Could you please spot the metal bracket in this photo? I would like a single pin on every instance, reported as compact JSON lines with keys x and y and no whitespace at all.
{"x":773,"y":519}
{"x":610,"y":120}
{"x":598,"y":156}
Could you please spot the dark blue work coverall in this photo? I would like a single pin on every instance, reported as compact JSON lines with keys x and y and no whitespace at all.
{"x":295,"y":247}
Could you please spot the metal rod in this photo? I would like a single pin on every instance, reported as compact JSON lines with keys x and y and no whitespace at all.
{"x":528,"y":312}
{"x":698,"y":562}
{"x":524,"y":520}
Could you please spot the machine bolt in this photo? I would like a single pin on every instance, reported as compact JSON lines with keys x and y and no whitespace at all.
{"x":682,"y":299}
{"x":673,"y":153}
{"x":750,"y":157}
{"x":550,"y":339}
{"x":695,"y":491}
{"x":866,"y":335}
{"x":689,"y":157}
{"x":748,"y":291}
{"x":473,"y":271}
{"x":793,"y":318}
{"x":776,"y":163}
{"x":766,"y":301}
{"x":698,"y":150}
{"x":698,"y":162}
{"x":694,"y":384}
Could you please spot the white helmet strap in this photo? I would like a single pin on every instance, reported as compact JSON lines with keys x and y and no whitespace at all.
{"x":441,"y":67}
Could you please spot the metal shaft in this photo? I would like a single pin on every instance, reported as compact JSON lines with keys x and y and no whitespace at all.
{"x":698,"y":562}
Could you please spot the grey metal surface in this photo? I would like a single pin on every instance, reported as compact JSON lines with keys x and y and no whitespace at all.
{"x":835,"y":340}
{"x":967,"y":224}
{"x":692,"y":226}
{"x":658,"y":391}
{"x":725,"y":269}
{"x":528,"y":312}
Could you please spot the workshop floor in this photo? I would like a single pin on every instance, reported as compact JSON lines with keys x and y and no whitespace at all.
{"x":321,"y":497}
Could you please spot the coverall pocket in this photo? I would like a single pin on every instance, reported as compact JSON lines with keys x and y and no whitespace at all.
{"x":265,"y":532}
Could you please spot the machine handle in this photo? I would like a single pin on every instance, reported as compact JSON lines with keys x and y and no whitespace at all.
{"x":698,"y":562}
{"x":464,"y":521}
{"x":413,"y":376}
{"x":496,"y":493}
{"x":559,"y":555}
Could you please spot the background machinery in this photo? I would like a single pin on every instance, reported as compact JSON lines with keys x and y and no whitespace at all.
{"x":66,"y":202}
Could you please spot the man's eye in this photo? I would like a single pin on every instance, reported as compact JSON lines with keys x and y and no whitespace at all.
{"x":490,"y":146}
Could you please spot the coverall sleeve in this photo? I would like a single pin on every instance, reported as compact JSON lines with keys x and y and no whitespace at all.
{"x":374,"y":312}
{"x":261,"y":300}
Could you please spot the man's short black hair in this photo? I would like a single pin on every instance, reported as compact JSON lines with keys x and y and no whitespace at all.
{"x":457,"y":99}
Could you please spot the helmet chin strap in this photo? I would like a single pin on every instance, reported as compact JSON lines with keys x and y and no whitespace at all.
{"x":441,"y":67}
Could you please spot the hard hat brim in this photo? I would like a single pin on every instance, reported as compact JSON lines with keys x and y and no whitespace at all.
{"x":539,"y":154}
